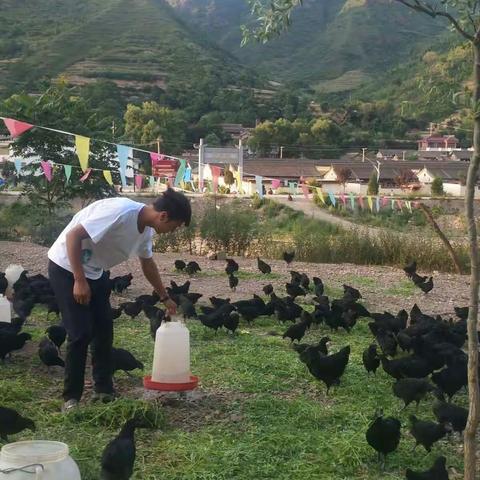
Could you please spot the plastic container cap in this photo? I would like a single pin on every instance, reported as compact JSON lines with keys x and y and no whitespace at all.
{"x":36,"y":451}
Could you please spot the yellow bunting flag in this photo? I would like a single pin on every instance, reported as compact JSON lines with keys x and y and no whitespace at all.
{"x":238,"y":178}
{"x":108,"y":176}
{"x":320,"y":195}
{"x":82,"y":144}
{"x":370,"y":202}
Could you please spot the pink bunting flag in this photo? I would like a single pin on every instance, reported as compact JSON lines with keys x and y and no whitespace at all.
{"x":216,"y":171}
{"x":415,"y":204}
{"x":305,"y":191}
{"x":87,"y":173}
{"x":15,"y":127}
{"x":399,"y":203}
{"x":275,"y":183}
{"x":384,"y":201}
{"x":342,"y":198}
{"x":360,"y":201}
{"x":138,"y":181}
{"x":47,"y":169}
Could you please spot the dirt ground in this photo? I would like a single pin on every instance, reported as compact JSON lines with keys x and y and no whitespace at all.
{"x":382,"y":287}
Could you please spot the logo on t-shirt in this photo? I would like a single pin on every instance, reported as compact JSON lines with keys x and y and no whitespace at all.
{"x":86,"y":255}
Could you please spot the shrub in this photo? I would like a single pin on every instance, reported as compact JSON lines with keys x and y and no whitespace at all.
{"x":437,"y":187}
{"x":373,"y":184}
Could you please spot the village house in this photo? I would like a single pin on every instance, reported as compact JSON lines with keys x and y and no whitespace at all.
{"x":437,"y":142}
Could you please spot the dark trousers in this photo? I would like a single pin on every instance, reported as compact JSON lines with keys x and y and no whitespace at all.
{"x":86,"y":325}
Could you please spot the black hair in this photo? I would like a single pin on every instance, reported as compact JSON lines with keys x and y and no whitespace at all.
{"x":176,"y":205}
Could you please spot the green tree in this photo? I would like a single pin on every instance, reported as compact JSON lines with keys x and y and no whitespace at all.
{"x":150,"y":122}
{"x":373,"y":186}
{"x":59,"y":108}
{"x":437,"y":186}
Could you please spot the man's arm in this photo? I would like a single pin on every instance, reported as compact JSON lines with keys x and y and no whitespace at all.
{"x":151,"y":273}
{"x":81,"y":289}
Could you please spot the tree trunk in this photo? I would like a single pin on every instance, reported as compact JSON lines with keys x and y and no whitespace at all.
{"x":428,"y":215}
{"x":470,"y":443}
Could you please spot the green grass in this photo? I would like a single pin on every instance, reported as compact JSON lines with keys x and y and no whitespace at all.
{"x":261,"y":416}
{"x":405,"y":288}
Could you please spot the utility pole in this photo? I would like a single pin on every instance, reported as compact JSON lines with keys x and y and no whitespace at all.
{"x":363,"y":154}
{"x":158,"y":146}
{"x":240,"y":164}
{"x":403,"y":155}
{"x":281,"y":152}
{"x":113,"y":130}
{"x":200,"y":165}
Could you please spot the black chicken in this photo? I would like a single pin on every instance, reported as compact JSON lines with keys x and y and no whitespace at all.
{"x":268,"y":289}
{"x":294,"y":290}
{"x":132,"y":309}
{"x":296,"y":331}
{"x":461,"y":312}
{"x":57,"y":334}
{"x":383,"y":435}
{"x":48,"y":353}
{"x":437,"y":472}
{"x":218,"y":302}
{"x":450,"y":414}
{"x":425,"y":432}
{"x":3,"y":283}
{"x":321,"y":347}
{"x":427,"y":286}
{"x":231,"y":321}
{"x":318,"y":286}
{"x":180,"y":265}
{"x":288,"y":257}
{"x":10,"y":342}
{"x":265,"y":268}
{"x":328,"y":368}
{"x":410,"y":269}
{"x":116,"y":312}
{"x":451,"y":379}
{"x":352,"y":292}
{"x":175,"y":289}
{"x":155,"y":316}
{"x":370,"y":358}
{"x":187,"y":307}
{"x":232,"y":282}
{"x":123,"y":360}
{"x":121,"y":283}
{"x":148,"y":299}
{"x":232,"y":266}
{"x":11,"y":422}
{"x":406,"y":367}
{"x":412,"y":390}
{"x":118,"y":457}
{"x":192,"y":268}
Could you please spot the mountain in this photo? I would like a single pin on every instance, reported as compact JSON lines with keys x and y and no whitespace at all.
{"x":139,"y":44}
{"x":328,"y":39}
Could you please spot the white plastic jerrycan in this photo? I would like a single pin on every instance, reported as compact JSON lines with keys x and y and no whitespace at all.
{"x":5,"y":310}
{"x":12,"y":274}
{"x":37,"y":460}
{"x":171,"y":359}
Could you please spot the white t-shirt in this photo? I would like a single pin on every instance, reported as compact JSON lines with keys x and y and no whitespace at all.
{"x":114,"y":236}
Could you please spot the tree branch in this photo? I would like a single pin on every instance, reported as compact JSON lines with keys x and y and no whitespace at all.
{"x":432,"y":12}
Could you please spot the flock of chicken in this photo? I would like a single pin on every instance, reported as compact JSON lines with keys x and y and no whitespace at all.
{"x":433,"y":361}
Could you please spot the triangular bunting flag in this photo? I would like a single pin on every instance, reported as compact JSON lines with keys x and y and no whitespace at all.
{"x":352,"y":200}
{"x":305,"y":191}
{"x":342,"y":198}
{"x":320,"y":195}
{"x":151,"y":181}
{"x":82,"y":145}
{"x":139,"y":181}
{"x":108,"y":176}
{"x":333,"y":200}
{"x":18,"y":165}
{"x":360,"y":202}
{"x":47,"y":169}
{"x":370,"y":203}
{"x":275,"y":183}
{"x":180,"y":172}
{"x":15,"y":127}
{"x":377,"y":203}
{"x":68,"y":172}
{"x":384,"y":201}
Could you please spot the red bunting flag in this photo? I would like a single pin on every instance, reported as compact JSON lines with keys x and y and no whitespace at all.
{"x":342,"y":198}
{"x":216,"y":171}
{"x":305,"y":191}
{"x":15,"y":127}
{"x":139,"y":181}
{"x":360,"y":201}
{"x":87,"y":173}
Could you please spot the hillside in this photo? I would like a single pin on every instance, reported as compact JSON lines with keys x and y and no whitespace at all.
{"x":140,"y":44}
{"x":327,"y":39}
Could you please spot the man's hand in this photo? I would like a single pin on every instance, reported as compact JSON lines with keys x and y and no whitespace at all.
{"x":171,"y":306}
{"x":82,"y":292}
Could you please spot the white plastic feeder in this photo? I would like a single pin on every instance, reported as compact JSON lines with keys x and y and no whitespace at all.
{"x":171,"y":359}
{"x":37,"y":460}
{"x":5,"y":310}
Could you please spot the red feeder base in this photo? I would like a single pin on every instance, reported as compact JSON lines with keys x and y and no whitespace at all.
{"x":149,"y":384}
